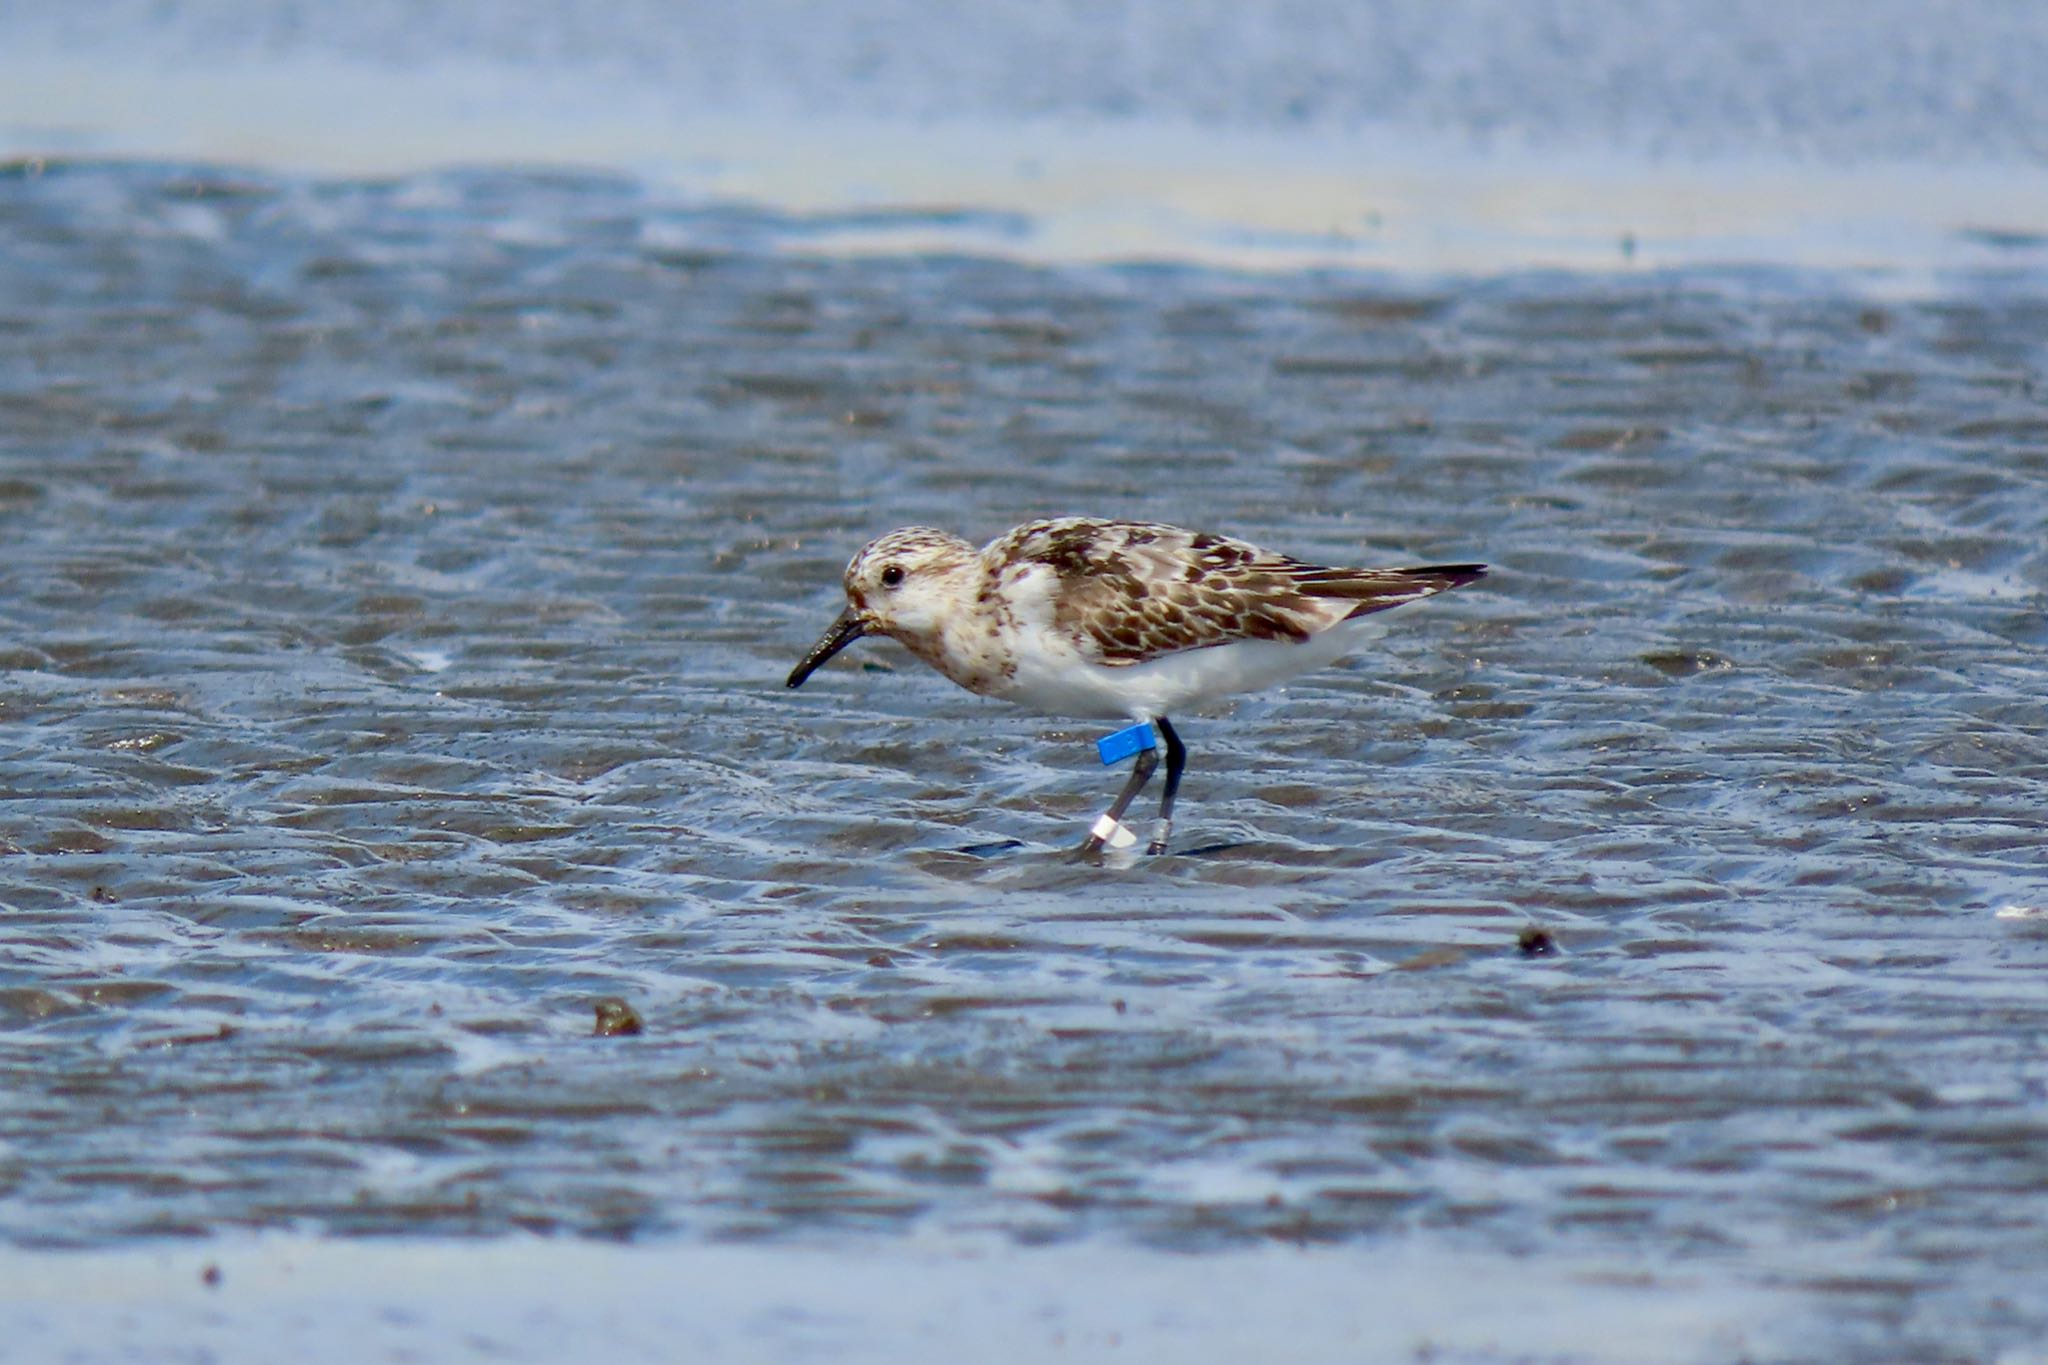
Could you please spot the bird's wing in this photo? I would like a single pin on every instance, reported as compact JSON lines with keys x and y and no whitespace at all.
{"x":1131,"y":591}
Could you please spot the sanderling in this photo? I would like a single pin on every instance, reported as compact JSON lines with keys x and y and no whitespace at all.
{"x":1087,"y":618}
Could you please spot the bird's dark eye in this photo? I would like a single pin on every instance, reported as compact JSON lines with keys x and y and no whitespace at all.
{"x":892,"y":576}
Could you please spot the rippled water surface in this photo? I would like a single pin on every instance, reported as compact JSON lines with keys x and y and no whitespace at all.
{"x":399,"y":582}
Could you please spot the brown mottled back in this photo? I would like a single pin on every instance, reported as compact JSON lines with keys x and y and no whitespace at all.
{"x":1134,"y":590}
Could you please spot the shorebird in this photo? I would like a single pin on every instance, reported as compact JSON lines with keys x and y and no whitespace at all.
{"x":1131,"y":620}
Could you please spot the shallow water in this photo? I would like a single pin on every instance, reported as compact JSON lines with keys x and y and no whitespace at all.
{"x":401,"y":576}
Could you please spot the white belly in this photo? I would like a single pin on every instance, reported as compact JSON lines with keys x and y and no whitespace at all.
{"x":1053,"y":678}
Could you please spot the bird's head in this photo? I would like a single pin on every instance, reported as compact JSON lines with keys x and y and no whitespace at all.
{"x":903,"y":585}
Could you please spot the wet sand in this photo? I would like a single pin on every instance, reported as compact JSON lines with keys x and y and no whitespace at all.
{"x":356,"y":1299}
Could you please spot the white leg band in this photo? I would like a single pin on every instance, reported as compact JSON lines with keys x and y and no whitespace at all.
{"x":1112,"y":832}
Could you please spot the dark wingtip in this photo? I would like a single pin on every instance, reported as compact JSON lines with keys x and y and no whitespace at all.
{"x":1450,"y":575}
{"x":1427,"y":580}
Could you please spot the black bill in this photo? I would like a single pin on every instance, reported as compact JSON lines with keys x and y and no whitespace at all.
{"x":842,"y":633}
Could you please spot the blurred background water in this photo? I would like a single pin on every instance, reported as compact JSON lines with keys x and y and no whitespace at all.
{"x":428,"y":435}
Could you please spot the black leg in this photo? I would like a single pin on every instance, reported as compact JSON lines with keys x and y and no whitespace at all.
{"x":1141,"y":773}
{"x":1176,"y":761}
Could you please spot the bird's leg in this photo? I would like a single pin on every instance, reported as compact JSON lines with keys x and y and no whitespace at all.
{"x":1141,"y":773}
{"x":1176,"y":760}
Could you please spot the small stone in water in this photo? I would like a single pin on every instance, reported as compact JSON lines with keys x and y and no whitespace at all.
{"x":616,"y":1018}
